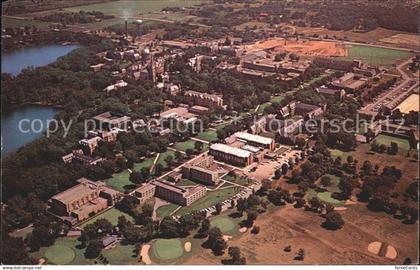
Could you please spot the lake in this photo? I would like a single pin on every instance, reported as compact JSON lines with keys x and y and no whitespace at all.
{"x":13,"y":137}
{"x":15,"y":61}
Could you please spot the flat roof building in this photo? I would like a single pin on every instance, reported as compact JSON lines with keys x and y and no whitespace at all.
{"x":109,"y":120}
{"x":256,"y":140}
{"x":178,"y":195}
{"x":202,"y":170}
{"x":80,"y":201}
{"x":231,"y":155}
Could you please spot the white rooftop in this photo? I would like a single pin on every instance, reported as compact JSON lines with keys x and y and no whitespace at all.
{"x":230,"y":150}
{"x":253,"y":138}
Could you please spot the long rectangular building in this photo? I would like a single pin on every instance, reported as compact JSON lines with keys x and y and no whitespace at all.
{"x":170,"y":192}
{"x":231,"y":155}
{"x":179,"y":195}
{"x":256,"y":140}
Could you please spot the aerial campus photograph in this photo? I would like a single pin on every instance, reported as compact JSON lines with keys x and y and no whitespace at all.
{"x":210,"y":132}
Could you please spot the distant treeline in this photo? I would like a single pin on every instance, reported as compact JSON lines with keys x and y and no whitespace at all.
{"x":75,"y":17}
{"x":13,"y":7}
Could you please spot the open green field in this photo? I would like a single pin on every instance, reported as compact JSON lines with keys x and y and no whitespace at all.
{"x":375,"y":55}
{"x":167,"y":249}
{"x":338,"y":153}
{"x":65,"y":251}
{"x":60,"y":254}
{"x":237,"y":179}
{"x":166,"y":210}
{"x":127,"y":8}
{"x":211,"y":198}
{"x":326,"y":196}
{"x":209,"y":135}
{"x":186,"y":182}
{"x":119,"y":181}
{"x":14,"y":22}
{"x":190,"y":144}
{"x":111,"y":215}
{"x":225,"y":224}
{"x":403,"y":144}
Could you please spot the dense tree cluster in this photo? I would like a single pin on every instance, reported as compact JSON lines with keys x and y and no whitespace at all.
{"x":80,"y":17}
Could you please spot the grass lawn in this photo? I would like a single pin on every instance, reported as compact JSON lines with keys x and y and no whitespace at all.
{"x":209,"y":136}
{"x":403,"y":144}
{"x":326,"y":196}
{"x":186,"y":182}
{"x":145,"y":164}
{"x":166,"y":210}
{"x":111,"y":215}
{"x":225,"y":224}
{"x":167,"y":249}
{"x":63,"y":251}
{"x":376,"y":56}
{"x":244,"y":181}
{"x":190,"y":144}
{"x":211,"y":198}
{"x":122,"y":179}
{"x":60,"y":254}
{"x":133,"y":7}
{"x":119,"y":181}
{"x":13,"y":22}
{"x":121,"y":254}
{"x":277,"y":98}
{"x":338,"y":153}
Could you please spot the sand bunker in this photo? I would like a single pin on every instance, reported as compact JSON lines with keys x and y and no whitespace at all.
{"x":305,"y":47}
{"x":381,"y":249}
{"x":375,"y":247}
{"x":243,"y":229}
{"x":187,"y":247}
{"x":391,"y":252}
{"x":144,"y":253}
{"x":227,"y":237}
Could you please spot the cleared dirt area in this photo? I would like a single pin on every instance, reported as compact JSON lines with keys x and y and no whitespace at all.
{"x":302,"y":229}
{"x":304,"y":47}
{"x":398,"y":39}
{"x":374,"y":37}
{"x":410,"y":104}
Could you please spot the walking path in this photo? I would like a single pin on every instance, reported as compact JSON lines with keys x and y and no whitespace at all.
{"x":154,"y":164}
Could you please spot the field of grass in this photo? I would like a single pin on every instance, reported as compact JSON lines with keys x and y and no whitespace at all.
{"x":338,"y":153}
{"x":240,"y":180}
{"x":186,"y":182}
{"x":403,"y":144}
{"x":65,"y":251}
{"x":166,"y":210}
{"x":60,"y":254}
{"x":225,"y":224}
{"x":127,"y":8}
{"x":111,"y":215}
{"x":119,"y":181}
{"x":326,"y":196}
{"x":211,"y":198}
{"x":167,"y":249}
{"x":121,"y":254}
{"x":122,"y":179}
{"x":14,"y":22}
{"x":190,"y":144}
{"x":209,"y":136}
{"x":376,"y":56}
